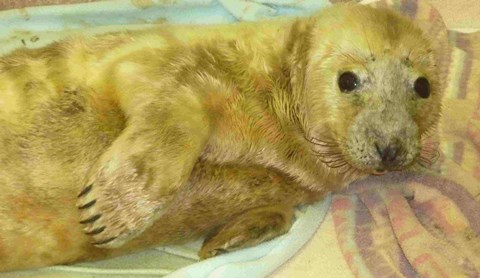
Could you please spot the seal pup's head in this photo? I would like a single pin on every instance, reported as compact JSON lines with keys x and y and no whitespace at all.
{"x":371,"y":89}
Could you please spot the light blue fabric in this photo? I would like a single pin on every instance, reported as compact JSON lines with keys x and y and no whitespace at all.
{"x":261,"y":260}
{"x":124,"y":12}
{"x":37,"y":26}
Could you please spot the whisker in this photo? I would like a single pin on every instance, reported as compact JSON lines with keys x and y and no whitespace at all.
{"x":324,"y":142}
{"x":426,"y":137}
{"x":324,"y":161}
{"x":353,"y":172}
{"x":327,"y":152}
{"x":431,"y":151}
{"x":433,"y":154}
{"x":432,"y":148}
{"x":332,"y":156}
{"x":349,"y":168}
{"x":425,"y":161}
{"x":429,"y":155}
{"x":330,"y":162}
{"x":423,"y":156}
{"x":336,"y":162}
{"x":422,"y":164}
{"x":336,"y":155}
{"x":430,"y":145}
{"x":338,"y":166}
{"x":331,"y":140}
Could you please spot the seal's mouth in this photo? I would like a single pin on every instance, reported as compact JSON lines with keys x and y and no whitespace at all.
{"x":379,"y":172}
{"x":379,"y":161}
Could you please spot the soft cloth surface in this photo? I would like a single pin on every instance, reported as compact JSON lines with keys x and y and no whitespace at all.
{"x":406,"y":224}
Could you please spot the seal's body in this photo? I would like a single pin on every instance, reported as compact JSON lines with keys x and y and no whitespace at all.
{"x":135,"y":139}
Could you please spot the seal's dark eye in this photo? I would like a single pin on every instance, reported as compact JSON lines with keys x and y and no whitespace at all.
{"x":347,"y":82}
{"x":422,"y":87}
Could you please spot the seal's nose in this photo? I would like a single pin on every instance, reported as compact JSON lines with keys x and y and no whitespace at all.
{"x":388,"y":154}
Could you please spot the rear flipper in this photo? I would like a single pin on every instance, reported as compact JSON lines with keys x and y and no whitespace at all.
{"x":248,"y":229}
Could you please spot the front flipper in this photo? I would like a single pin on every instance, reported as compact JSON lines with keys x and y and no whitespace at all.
{"x":118,"y":204}
{"x":248,"y":229}
{"x":140,"y":173}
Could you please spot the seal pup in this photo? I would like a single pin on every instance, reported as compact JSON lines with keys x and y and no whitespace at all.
{"x":118,"y":142}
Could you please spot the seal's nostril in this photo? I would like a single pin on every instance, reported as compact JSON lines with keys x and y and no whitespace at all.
{"x":388,"y":154}
{"x":391,"y":153}
{"x":379,"y":150}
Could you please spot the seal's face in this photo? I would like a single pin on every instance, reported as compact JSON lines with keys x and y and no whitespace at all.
{"x":382,"y":92}
{"x":391,"y":100}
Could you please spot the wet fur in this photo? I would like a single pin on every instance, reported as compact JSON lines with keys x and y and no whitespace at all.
{"x":264,"y":104}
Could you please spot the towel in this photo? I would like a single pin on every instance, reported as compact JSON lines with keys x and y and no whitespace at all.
{"x":400,"y":225}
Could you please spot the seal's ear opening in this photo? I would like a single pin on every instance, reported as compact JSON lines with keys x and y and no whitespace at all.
{"x":428,"y":19}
